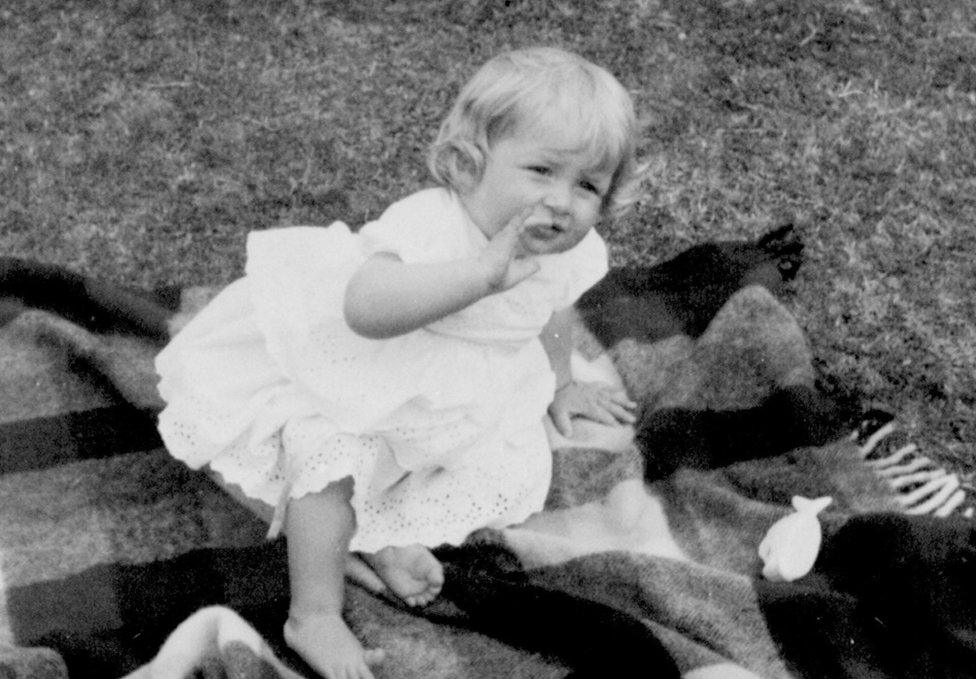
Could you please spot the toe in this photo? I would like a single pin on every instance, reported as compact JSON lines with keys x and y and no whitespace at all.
{"x":425,"y":598}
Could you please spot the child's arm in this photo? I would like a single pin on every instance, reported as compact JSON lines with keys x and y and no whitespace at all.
{"x":557,"y":339}
{"x":599,"y":402}
{"x":386,"y":297}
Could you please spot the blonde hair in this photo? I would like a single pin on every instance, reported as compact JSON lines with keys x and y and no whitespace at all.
{"x":524,"y":86}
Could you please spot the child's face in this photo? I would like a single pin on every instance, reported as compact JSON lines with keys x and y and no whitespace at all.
{"x":540,"y":166}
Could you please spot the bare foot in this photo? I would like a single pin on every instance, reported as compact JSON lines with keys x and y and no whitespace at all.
{"x":325,"y":642}
{"x":412,"y":572}
{"x":363,"y":574}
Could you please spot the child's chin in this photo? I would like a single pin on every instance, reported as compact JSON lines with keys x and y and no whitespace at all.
{"x":535,"y":248}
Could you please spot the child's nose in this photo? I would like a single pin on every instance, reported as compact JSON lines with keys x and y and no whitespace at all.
{"x":558,"y":197}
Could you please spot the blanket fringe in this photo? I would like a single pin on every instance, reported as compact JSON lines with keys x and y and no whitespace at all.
{"x":922,"y":486}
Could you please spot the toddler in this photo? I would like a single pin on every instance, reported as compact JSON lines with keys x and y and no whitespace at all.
{"x":385,"y":391}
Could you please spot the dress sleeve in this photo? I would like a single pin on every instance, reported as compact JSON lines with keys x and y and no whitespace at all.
{"x":410,"y":228}
{"x":583,"y":267}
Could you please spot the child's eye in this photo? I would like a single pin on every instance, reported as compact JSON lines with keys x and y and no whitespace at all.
{"x":590,"y":187}
{"x":540,"y":169}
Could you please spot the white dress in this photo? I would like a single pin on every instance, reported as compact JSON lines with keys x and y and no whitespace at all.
{"x":440,"y":428}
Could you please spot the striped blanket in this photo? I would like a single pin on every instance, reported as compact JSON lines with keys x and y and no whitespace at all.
{"x":108,"y":547}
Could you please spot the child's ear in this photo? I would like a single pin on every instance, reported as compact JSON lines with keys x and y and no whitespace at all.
{"x":468,"y":174}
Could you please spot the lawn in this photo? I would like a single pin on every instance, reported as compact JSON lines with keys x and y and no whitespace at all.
{"x":141,"y":141}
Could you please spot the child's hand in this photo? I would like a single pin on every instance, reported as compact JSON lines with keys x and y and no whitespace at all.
{"x":503,"y":259}
{"x":592,"y":400}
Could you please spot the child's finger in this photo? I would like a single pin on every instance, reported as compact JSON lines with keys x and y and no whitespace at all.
{"x":514,"y":226}
{"x":611,"y":391}
{"x":563,"y":422}
{"x":621,"y":414}
{"x":607,"y":392}
{"x":506,"y":243}
{"x":620,"y":398}
{"x":601,"y":414}
{"x":602,"y":406}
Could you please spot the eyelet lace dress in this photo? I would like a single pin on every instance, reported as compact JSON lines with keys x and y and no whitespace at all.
{"x":440,"y":429}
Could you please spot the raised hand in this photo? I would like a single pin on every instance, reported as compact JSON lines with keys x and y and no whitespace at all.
{"x":504,"y":259}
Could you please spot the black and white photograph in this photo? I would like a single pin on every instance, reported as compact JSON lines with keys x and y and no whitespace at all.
{"x":502,"y":339}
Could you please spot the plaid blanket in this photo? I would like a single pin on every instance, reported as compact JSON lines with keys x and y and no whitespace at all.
{"x":108,"y":547}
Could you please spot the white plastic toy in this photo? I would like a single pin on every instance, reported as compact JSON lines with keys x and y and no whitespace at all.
{"x":791,"y":545}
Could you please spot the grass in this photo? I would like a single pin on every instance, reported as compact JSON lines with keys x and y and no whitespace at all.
{"x":142,"y":140}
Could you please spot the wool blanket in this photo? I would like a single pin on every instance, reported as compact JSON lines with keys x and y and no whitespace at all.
{"x":109,"y":548}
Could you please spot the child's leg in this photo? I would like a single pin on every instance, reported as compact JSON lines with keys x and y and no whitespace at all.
{"x":411,"y":573}
{"x":318,"y":527}
{"x":357,"y":569}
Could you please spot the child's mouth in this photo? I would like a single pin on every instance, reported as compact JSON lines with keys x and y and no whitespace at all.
{"x":545,"y":230}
